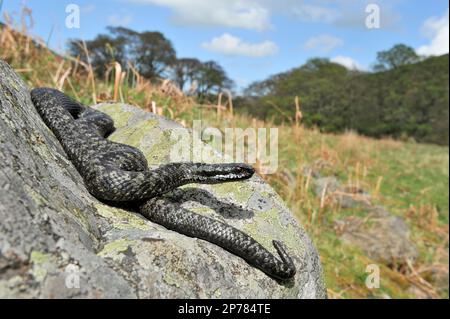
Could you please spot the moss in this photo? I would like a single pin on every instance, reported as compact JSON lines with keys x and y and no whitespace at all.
{"x":291,"y":238}
{"x":133,"y":135}
{"x":160,"y":151}
{"x":39,"y":273}
{"x":118,"y":114}
{"x":170,"y":280}
{"x":254,"y":229}
{"x":39,"y":260}
{"x":122,"y":219}
{"x":115,"y":247}
{"x":269,"y":223}
{"x":241,"y":192}
{"x":81,"y":218}
{"x":217,"y":293}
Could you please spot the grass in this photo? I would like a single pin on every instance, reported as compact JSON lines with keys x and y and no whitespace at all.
{"x":411,"y":180}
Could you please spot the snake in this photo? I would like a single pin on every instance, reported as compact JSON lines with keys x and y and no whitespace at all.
{"x":117,"y":172}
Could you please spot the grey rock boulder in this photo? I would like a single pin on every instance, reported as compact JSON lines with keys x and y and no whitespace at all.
{"x":57,"y":241}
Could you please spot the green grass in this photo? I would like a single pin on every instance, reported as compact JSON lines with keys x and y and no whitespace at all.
{"x":414,"y":179}
{"x":419,"y":176}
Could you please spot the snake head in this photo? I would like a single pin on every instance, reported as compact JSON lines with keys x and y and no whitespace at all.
{"x":221,"y":173}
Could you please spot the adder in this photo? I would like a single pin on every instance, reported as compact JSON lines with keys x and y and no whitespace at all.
{"x":119,"y":173}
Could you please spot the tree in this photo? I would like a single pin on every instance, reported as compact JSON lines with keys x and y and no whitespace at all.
{"x":102,"y":51}
{"x":408,"y":100}
{"x":150,"y":52}
{"x":154,"y":55}
{"x":212,"y":78}
{"x":395,"y":57}
{"x":184,"y":71}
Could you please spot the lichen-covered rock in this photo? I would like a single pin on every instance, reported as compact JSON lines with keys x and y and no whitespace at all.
{"x":58,"y":241}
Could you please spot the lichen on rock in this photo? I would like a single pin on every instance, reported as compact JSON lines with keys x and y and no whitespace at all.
{"x":49,"y":222}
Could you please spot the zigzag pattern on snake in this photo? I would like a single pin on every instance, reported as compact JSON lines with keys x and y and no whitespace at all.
{"x":118,"y":172}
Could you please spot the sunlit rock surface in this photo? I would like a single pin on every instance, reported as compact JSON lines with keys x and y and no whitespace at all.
{"x":57,"y":241}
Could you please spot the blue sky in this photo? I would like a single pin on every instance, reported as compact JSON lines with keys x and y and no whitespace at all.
{"x":253,"y":39}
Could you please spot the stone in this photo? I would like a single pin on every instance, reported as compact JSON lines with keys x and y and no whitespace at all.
{"x":58,"y":241}
{"x":382,"y":236}
{"x":344,"y":196}
{"x":326,"y":185}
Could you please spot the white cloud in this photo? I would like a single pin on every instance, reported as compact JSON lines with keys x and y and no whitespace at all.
{"x":348,"y":62}
{"x":89,"y":8}
{"x":230,"y":45}
{"x":436,"y":29}
{"x":323,"y":43}
{"x":246,"y":14}
{"x":256,"y":14}
{"x":119,"y":20}
{"x":313,"y":13}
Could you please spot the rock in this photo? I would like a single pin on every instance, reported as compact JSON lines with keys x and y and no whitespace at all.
{"x":57,"y":241}
{"x":326,"y":185}
{"x":345,"y":197}
{"x":317,"y":168}
{"x":381,"y":235}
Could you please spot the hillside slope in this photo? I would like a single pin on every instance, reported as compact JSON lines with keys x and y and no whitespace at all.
{"x":411,"y":100}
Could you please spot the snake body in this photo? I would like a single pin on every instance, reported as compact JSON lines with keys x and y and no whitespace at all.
{"x":119,"y":173}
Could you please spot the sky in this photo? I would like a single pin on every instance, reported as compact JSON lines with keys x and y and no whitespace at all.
{"x":253,"y":39}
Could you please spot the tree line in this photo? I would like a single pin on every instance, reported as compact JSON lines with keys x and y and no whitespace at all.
{"x":405,"y":96}
{"x":154,"y":57}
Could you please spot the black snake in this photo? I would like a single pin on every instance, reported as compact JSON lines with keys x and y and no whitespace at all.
{"x":118,"y":172}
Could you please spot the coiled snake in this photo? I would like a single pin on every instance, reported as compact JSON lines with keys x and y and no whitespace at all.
{"x":118,"y":172}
